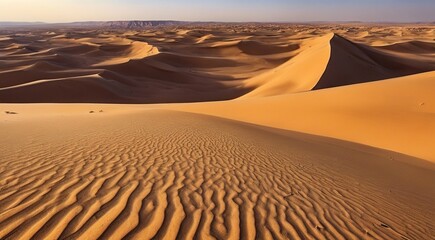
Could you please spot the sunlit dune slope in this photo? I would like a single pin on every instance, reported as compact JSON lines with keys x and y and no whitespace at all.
{"x":300,"y":73}
{"x":395,"y":114}
{"x":152,"y":174}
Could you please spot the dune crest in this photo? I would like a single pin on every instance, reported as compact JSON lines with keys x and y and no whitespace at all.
{"x":333,"y":61}
{"x":136,"y":50}
{"x":299,"y":74}
{"x":352,"y":63}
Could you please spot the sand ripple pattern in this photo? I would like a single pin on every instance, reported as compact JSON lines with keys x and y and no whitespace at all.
{"x":164,"y":175}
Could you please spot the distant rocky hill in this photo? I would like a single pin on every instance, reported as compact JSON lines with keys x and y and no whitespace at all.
{"x":96,"y":24}
{"x":125,"y":24}
{"x":11,"y":24}
{"x":140,"y":24}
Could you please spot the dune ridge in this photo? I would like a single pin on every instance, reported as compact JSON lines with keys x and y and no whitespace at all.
{"x":352,"y":63}
{"x":333,"y":61}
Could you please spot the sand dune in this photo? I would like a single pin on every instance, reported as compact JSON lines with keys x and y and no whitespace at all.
{"x":191,"y":65}
{"x":326,"y":132}
{"x":384,"y":114}
{"x":352,"y":63}
{"x":166,"y":175}
{"x":299,"y":74}
{"x":333,"y":61}
{"x":136,"y":69}
{"x":427,"y":48}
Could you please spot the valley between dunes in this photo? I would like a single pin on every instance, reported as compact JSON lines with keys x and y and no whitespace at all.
{"x":220,"y":131}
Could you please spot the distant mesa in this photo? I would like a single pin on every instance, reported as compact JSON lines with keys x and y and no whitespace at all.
{"x":98,"y":24}
{"x":14,"y":24}
{"x":124,"y":24}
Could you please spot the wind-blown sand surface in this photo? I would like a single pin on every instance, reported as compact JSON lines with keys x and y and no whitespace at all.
{"x":329,"y":133}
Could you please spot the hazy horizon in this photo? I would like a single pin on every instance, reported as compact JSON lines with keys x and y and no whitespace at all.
{"x":211,"y":21}
{"x":63,"y":11}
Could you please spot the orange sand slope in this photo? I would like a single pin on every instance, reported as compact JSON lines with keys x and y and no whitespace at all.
{"x":395,"y":114}
{"x":142,"y":174}
{"x":326,"y":132}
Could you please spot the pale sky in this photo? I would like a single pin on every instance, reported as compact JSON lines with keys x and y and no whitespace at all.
{"x":223,"y":10}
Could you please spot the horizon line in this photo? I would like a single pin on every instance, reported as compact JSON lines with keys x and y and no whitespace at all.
{"x":213,"y":21}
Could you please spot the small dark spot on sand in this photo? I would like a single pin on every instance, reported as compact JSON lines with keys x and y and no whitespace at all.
{"x":385,"y":225}
{"x":9,"y":112}
{"x":101,"y":111}
{"x":91,"y":111}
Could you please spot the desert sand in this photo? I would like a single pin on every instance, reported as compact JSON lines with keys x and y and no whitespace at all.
{"x":218,"y":131}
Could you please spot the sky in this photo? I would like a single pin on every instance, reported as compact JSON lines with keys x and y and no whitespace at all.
{"x":222,"y":10}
